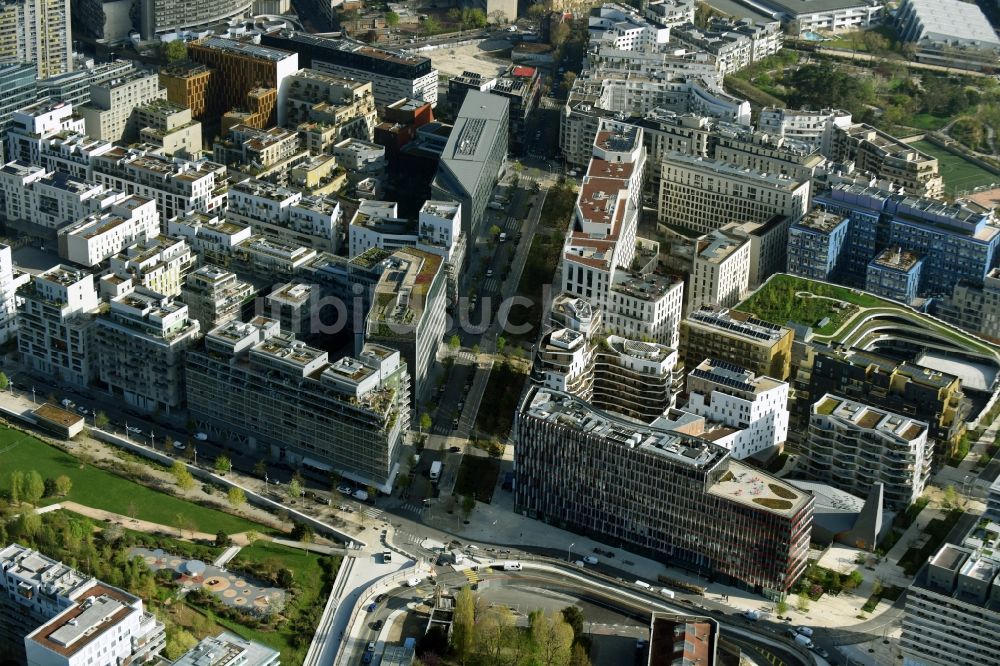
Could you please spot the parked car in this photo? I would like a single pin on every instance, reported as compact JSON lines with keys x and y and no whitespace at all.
{"x":821,"y":652}
{"x":455,"y":449}
{"x":377,"y":625}
{"x":201,"y":437}
{"x":590,"y":559}
{"x":370,"y":608}
{"x":134,"y":430}
{"x":380,"y":598}
{"x":180,"y":446}
{"x":371,"y":647}
{"x":413,"y":582}
{"x":345,"y":489}
{"x":82,"y":410}
{"x":805,"y":631}
{"x":367,"y":657}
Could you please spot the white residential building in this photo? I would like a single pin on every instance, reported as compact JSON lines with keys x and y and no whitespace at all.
{"x":98,"y":236}
{"x":71,"y":153}
{"x":285,"y":215}
{"x":855,"y":446}
{"x":228,"y":649}
{"x":624,"y":29}
{"x":815,"y":128}
{"x":51,"y":614}
{"x":32,"y":124}
{"x":800,"y":16}
{"x":212,"y":238}
{"x":45,"y":202}
{"x":601,"y":246}
{"x":214,"y":296}
{"x":55,"y":325}
{"x":159,"y":263}
{"x":757,"y":407}
{"x":720,"y":270}
{"x":177,"y":185}
{"x":10,"y":282}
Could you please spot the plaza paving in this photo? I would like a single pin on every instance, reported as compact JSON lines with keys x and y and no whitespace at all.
{"x":233,"y":589}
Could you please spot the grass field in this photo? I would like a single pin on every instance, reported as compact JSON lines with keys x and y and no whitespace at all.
{"x":959,"y":174}
{"x":99,"y":489}
{"x":928,"y":122}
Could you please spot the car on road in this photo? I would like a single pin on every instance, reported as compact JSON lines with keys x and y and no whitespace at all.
{"x":201,"y":437}
{"x":345,"y":489}
{"x":489,"y":272}
{"x":134,"y":430}
{"x":805,"y":631}
{"x":82,"y":410}
{"x":377,"y":625}
{"x":455,"y":449}
{"x":367,"y":658}
{"x":370,"y":608}
{"x":821,"y":652}
{"x":454,"y":422}
{"x":371,"y":647}
{"x":751,"y":615}
{"x":180,"y":446}
{"x":590,"y":559}
{"x":413,"y":582}
{"x":380,"y":598}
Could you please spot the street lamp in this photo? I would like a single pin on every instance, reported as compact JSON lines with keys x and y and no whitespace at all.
{"x":152,"y":440}
{"x":568,"y":549}
{"x":32,"y":395}
{"x":194,"y":450}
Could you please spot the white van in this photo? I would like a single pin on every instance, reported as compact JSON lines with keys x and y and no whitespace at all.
{"x":643,"y":584}
{"x":503,"y":236}
{"x":511,"y":566}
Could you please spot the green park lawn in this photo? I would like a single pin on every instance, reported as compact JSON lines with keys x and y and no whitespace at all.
{"x":100,"y":489}
{"x":959,"y":174}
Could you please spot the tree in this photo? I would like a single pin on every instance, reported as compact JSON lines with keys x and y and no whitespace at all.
{"x":34,"y":487}
{"x":950,"y":496}
{"x":425,"y":421}
{"x":63,"y":485}
{"x":495,"y":633}
{"x":781,"y":607}
{"x":501,"y":343}
{"x":454,"y":343}
{"x":133,"y":509}
{"x":251,"y":536}
{"x":182,"y":476}
{"x":222,"y":539}
{"x":558,"y":35}
{"x":175,"y":50}
{"x":236,"y":497}
{"x":101,"y":420}
{"x":285,"y":578}
{"x":112,"y":533}
{"x":802,"y":603}
{"x":16,"y":491}
{"x":294,"y":489}
{"x":302,"y":532}
{"x":475,"y":349}
{"x":430,"y":26}
{"x":391,"y":19}
{"x":260,"y":468}
{"x":574,"y":618}
{"x":495,"y":232}
{"x":579,"y":656}
{"x":178,"y":642}
{"x":537,"y":11}
{"x":569,"y":78}
{"x":4,"y":381}
{"x":223,"y":464}
{"x":468,"y":505}
{"x":854,"y":580}
{"x":498,"y":16}
{"x":551,"y":637}
{"x":463,"y":624}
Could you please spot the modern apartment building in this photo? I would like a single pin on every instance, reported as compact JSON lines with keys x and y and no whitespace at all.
{"x":110,"y":114}
{"x":228,"y":649}
{"x":393,"y":75}
{"x":17,"y":90}
{"x":141,"y":342}
{"x":158,"y":263}
{"x":175,"y":184}
{"x":635,"y":379}
{"x":757,"y":406}
{"x":887,"y":158}
{"x":624,"y":29}
{"x":55,"y":322}
{"x":801,"y":16}
{"x":948,"y":32}
{"x":895,"y":273}
{"x":521,"y":87}
{"x":900,"y":387}
{"x":766,"y":153}
{"x":214,"y":296}
{"x":408,"y":312}
{"x":993,"y":501}
{"x":10,"y":281}
{"x":952,"y":605}
{"x":40,"y":203}
{"x":54,"y":614}
{"x":734,"y":44}
{"x":212,"y":238}
{"x":473,"y":159}
{"x":687,"y":200}
{"x":815,"y":245}
{"x":345,"y":104}
{"x":975,"y":308}
{"x":73,"y":87}
{"x":720,"y":270}
{"x":99,"y":236}
{"x":814,"y":128}
{"x":285,"y":215}
{"x":39,"y":32}
{"x":242,"y":70}
{"x":269,"y":393}
{"x":854,"y":446}
{"x":265,"y":154}
{"x":957,"y":242}
{"x":662,"y":493}
{"x":112,"y":22}
{"x":738,"y":338}
{"x":71,"y":153}
{"x":169,"y":126}
{"x":29,"y":125}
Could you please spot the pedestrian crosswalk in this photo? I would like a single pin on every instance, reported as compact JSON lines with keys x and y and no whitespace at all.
{"x":412,"y":507}
{"x":490,"y":285}
{"x":413,"y":539}
{"x":372,"y":512}
{"x":472,"y":576}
